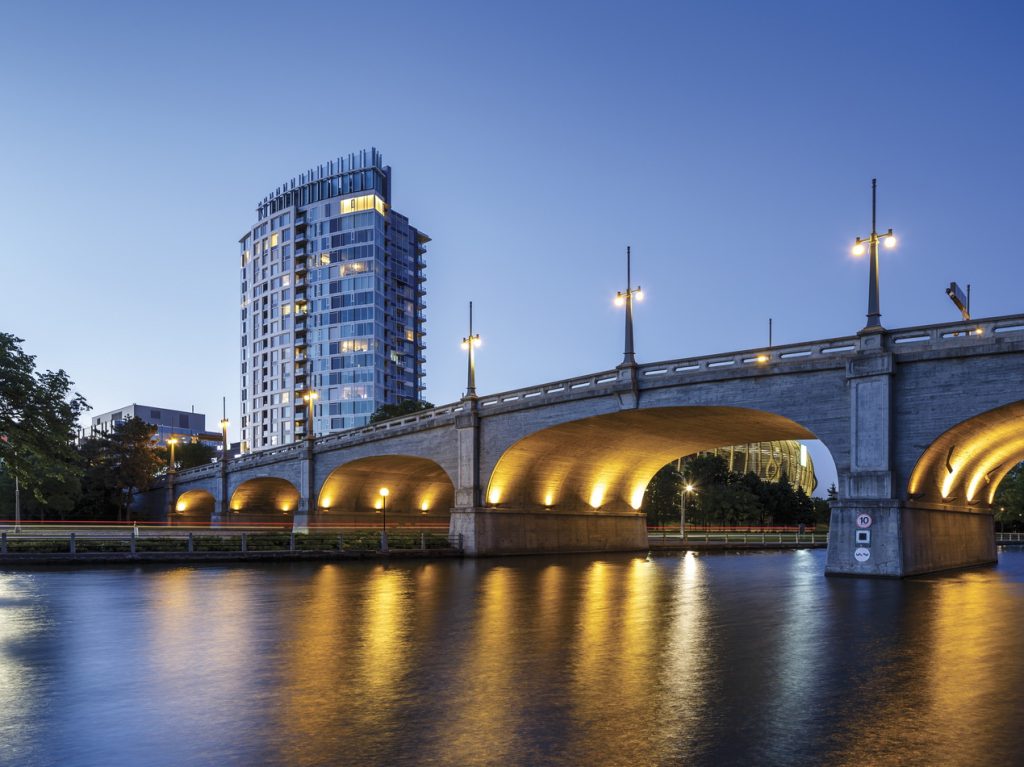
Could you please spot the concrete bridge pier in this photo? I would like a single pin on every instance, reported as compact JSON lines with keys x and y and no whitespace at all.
{"x":305,"y":511}
{"x":896,"y":540}
{"x":489,"y":532}
{"x":873,"y":533}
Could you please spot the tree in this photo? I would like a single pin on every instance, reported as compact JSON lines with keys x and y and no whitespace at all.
{"x":39,"y":414}
{"x":833,"y":494}
{"x":661,"y":500}
{"x":118,"y":465}
{"x":404,"y":407}
{"x":188,"y":455}
{"x":1009,"y":499}
{"x":731,"y":504}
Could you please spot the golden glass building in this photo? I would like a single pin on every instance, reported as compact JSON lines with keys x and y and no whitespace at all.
{"x":770,"y":460}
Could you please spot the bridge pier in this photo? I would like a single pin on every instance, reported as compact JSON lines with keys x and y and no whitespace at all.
{"x":493,"y":532}
{"x":896,"y":540}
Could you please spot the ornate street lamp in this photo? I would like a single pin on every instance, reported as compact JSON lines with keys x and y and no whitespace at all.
{"x":470,"y":343}
{"x":626,"y":298}
{"x":889,"y":240}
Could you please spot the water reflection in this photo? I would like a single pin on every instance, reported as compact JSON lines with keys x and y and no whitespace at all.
{"x":722,"y":659}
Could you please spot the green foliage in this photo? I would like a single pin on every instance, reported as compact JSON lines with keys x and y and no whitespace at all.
{"x":188,"y":455}
{"x":1009,"y":500}
{"x":118,"y":465}
{"x":39,"y":413}
{"x":723,"y":497}
{"x":661,"y":500}
{"x":405,"y":407}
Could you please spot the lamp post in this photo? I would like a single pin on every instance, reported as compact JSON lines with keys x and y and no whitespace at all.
{"x":683,"y":492}
{"x":889,"y":239}
{"x":224,"y":423}
{"x":172,"y":441}
{"x":626,"y":298}
{"x":470,"y":343}
{"x":171,"y":471}
{"x":384,"y":492}
{"x":310,"y":397}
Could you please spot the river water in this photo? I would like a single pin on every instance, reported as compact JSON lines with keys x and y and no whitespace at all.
{"x":718,"y":659}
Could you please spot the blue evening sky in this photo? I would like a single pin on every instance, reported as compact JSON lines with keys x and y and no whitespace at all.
{"x":731,"y":144}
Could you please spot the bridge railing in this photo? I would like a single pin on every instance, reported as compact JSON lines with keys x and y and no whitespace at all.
{"x":956,"y":333}
{"x":903,"y":340}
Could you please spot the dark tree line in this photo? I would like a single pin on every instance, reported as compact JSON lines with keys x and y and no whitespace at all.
{"x":723,"y":497}
{"x":59,"y":476}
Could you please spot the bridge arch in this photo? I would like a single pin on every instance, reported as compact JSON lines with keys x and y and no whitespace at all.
{"x":263,"y":501}
{"x":193,"y":507}
{"x":605,"y":462}
{"x":965,"y":464}
{"x":419,"y":489}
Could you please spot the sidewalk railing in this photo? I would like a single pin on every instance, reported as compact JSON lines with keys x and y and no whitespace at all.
{"x":171,"y":541}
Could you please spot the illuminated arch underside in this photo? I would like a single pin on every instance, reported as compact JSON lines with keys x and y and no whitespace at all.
{"x":195,"y":505}
{"x":606,"y":461}
{"x":414,"y":485}
{"x":265,"y":495}
{"x":966,"y":464}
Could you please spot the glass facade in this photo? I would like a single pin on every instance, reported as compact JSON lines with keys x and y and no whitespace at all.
{"x":332,"y":300}
{"x":770,"y":460}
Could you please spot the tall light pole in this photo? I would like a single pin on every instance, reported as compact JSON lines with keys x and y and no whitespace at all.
{"x":384,"y":492}
{"x":470,"y":343}
{"x":626,"y":298}
{"x":224,"y":423}
{"x":683,"y":492}
{"x":310,"y":397}
{"x":874,"y":312}
{"x":171,"y":442}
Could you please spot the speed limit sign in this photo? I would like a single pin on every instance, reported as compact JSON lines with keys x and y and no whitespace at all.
{"x":864,"y":520}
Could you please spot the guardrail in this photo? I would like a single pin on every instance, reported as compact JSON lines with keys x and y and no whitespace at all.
{"x":811,"y":538}
{"x":1009,"y":537}
{"x":169,"y":541}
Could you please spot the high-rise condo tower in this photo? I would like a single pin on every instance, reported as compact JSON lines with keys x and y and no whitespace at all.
{"x":332,"y":303}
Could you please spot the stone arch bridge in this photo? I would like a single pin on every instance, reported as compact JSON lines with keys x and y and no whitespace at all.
{"x":922,"y":423}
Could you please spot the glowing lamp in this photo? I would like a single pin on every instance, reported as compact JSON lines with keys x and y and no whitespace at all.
{"x":889,"y":242}
{"x":619,"y":299}
{"x":858,"y":249}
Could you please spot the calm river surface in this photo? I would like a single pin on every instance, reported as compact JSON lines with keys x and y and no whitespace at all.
{"x":751,"y":658}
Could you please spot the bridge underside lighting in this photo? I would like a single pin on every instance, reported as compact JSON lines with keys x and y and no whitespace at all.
{"x":606,"y":461}
{"x":967,"y":462}
{"x":414,"y":485}
{"x":265,"y":495}
{"x":196,"y":503}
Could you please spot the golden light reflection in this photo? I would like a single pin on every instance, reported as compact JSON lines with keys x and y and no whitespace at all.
{"x":952,"y":677}
{"x":492,"y":703}
{"x":636,"y":499}
{"x":549,"y":499}
{"x":494,"y":495}
{"x":597,"y":495}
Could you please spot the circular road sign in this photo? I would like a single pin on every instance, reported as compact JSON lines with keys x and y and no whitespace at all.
{"x":864,"y":520}
{"x":861,"y":554}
